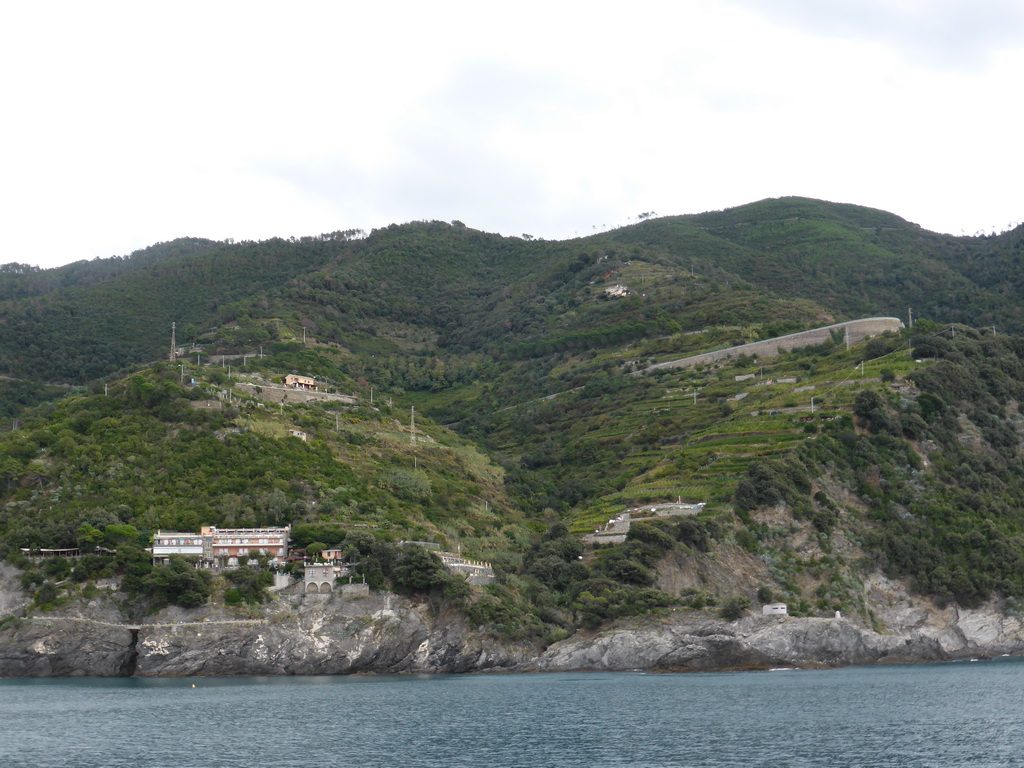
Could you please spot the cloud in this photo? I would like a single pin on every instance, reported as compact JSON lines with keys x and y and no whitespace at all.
{"x":128,"y":123}
{"x":941,"y":34}
{"x":482,"y":147}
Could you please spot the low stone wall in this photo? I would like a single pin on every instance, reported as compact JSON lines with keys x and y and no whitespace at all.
{"x":271,"y":394}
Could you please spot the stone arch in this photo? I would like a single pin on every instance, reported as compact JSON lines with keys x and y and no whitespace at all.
{"x":311,"y":587}
{"x":325,"y":587}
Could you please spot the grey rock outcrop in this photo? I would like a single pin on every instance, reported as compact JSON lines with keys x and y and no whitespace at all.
{"x":699,"y":643}
{"x":319,"y":635}
{"x":62,"y":648}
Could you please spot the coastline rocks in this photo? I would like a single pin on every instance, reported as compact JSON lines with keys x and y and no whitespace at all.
{"x":301,"y":634}
{"x":318,"y":636}
{"x":60,"y":647}
{"x":706,"y":644}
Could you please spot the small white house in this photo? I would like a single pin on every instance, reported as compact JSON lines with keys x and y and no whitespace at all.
{"x":774,"y":609}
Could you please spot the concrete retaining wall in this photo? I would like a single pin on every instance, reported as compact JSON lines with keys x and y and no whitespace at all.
{"x":856,"y":330}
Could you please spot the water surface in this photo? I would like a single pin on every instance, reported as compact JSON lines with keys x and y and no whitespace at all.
{"x":959,"y":714}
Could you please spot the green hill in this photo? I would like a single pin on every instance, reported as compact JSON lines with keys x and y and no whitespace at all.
{"x":523,"y":360}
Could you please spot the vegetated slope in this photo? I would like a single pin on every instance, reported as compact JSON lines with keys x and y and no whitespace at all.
{"x":18,"y":281}
{"x":425,"y":285}
{"x":850,"y":259}
{"x":912,"y":468}
{"x":169,"y":448}
{"x":84,"y":330}
{"x":926,"y":480}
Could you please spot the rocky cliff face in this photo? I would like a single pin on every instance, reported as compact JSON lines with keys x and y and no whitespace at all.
{"x":336,"y":634}
{"x":323,"y":635}
{"x":47,"y":647}
{"x":698,"y":643}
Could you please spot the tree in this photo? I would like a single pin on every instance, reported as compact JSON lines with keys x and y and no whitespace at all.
{"x":418,"y":570}
{"x":178,"y":583}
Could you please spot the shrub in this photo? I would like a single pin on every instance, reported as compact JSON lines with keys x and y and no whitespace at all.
{"x":177,"y":583}
{"x":734,"y":608}
{"x":46,"y":594}
{"x":250,"y":584}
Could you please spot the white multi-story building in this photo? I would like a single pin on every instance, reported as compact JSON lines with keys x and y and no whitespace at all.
{"x":223,"y":546}
{"x":167,"y":543}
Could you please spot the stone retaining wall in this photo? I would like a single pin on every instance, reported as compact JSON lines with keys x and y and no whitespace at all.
{"x":272,"y":394}
{"x":856,"y":330}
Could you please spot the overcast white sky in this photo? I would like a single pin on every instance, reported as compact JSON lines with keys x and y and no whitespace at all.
{"x":129,"y":123}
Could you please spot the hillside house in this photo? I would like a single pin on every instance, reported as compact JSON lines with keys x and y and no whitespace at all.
{"x":301,"y":382}
{"x":319,"y":577}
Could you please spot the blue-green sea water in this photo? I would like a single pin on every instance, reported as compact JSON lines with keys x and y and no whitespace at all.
{"x":961,"y":714}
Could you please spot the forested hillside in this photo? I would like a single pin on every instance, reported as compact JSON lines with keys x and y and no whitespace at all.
{"x":493,"y":393}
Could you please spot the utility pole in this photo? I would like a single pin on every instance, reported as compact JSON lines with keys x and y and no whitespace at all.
{"x":197,"y":360}
{"x":182,"y":379}
{"x":174,"y":345}
{"x":812,"y":404}
{"x":412,"y":424}
{"x":910,"y":317}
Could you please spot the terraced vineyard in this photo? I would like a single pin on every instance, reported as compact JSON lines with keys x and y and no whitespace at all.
{"x":711,"y":422}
